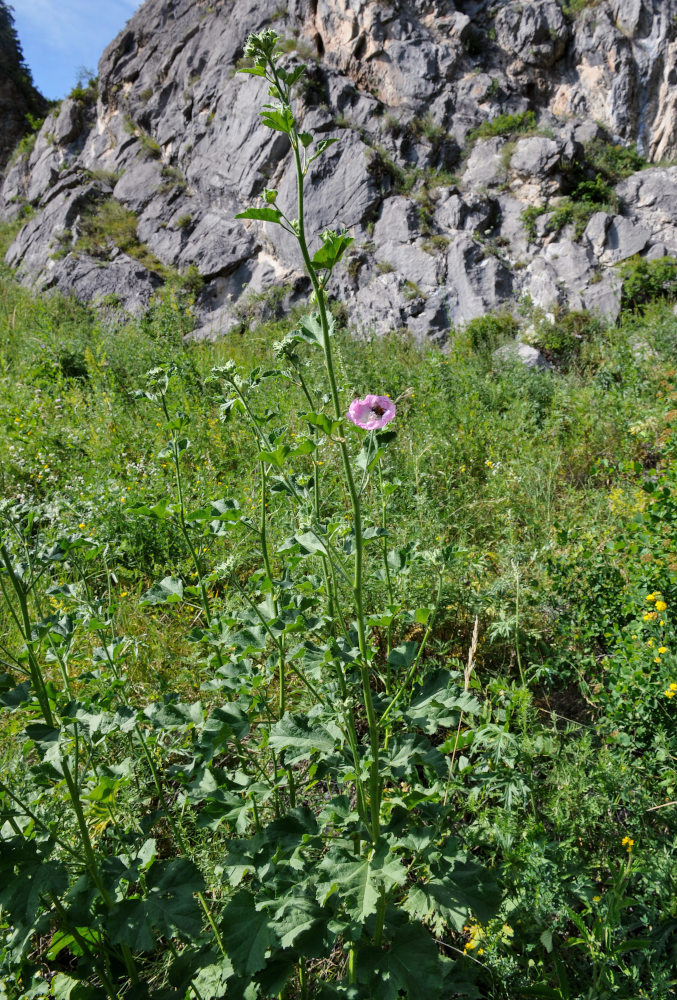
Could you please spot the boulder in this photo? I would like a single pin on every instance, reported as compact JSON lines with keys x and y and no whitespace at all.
{"x":517,"y":352}
{"x":624,"y":238}
{"x":121,"y":281}
{"x":68,"y":124}
{"x":397,"y":222}
{"x":485,"y":167}
{"x":536,"y":156}
{"x":651,"y":196}
{"x":536,"y":33}
{"x":476,"y":282}
{"x":604,"y":296}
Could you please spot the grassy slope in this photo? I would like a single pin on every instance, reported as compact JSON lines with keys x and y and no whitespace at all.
{"x":534,"y":479}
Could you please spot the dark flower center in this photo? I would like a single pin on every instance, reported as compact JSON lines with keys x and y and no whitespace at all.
{"x":378,"y":410}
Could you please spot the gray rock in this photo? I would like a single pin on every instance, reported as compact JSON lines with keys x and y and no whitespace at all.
{"x":541,"y":284}
{"x":535,"y":32}
{"x":485,"y":167}
{"x":68,"y":124}
{"x":217,"y":245}
{"x":138,"y":184}
{"x":399,"y":85}
{"x":536,"y":156}
{"x":122,"y":279}
{"x":572,"y":263}
{"x":397,"y":222}
{"x":604,"y":296}
{"x":624,"y":57}
{"x":651,"y":195}
{"x":37,"y":241}
{"x":657,"y":251}
{"x":476,"y":283}
{"x":470,"y":212}
{"x":519,"y":353}
{"x":341,"y":192}
{"x":624,"y":239}
{"x":382,"y":306}
{"x":596,"y":230}
{"x":411,"y":262}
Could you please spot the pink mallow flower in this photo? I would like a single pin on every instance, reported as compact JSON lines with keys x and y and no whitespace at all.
{"x":371,"y":413}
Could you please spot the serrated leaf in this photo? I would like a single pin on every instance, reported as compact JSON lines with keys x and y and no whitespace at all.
{"x":275,"y":457}
{"x":15,"y":696}
{"x":333,"y":247}
{"x":412,"y":964}
{"x":297,"y":733}
{"x":217,"y":510}
{"x":267,"y":214}
{"x":403,"y":656}
{"x":278,"y":119}
{"x":247,"y":933}
{"x":322,"y":145}
{"x":46,"y":739}
{"x":466,"y":889}
{"x":421,"y":615}
{"x":167,"y":591}
{"x":301,"y":923}
{"x":321,"y":420}
{"x":159,"y":512}
{"x":169,"y":908}
{"x":310,"y":328}
{"x":359,"y":881}
{"x":175,"y":714}
{"x":438,"y":702}
{"x":226,"y":723}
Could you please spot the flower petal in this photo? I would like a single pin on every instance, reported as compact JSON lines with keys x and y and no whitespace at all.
{"x":371,"y":413}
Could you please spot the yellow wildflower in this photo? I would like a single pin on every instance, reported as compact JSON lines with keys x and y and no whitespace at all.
{"x":661,"y":605}
{"x":662,"y":649}
{"x":627,"y":842}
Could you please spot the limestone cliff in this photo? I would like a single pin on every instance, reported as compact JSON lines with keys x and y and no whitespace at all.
{"x":453,"y":119}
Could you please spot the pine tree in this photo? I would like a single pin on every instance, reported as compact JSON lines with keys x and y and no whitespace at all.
{"x":12,"y":63}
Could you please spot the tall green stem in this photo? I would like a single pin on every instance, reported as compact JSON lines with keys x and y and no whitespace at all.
{"x":375,"y":790}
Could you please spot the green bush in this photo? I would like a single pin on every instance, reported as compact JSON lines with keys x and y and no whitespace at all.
{"x":613,"y":161}
{"x":504,"y":125}
{"x":562,"y":341}
{"x":486,"y":333}
{"x":645,"y":281}
{"x":589,"y":196}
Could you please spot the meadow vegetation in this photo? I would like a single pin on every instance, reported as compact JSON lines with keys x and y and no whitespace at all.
{"x":296,"y":709}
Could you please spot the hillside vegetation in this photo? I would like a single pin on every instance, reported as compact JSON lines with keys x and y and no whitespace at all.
{"x":337,"y":667}
{"x":548,"y":498}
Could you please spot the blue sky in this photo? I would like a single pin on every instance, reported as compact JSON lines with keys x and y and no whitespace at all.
{"x":60,"y":36}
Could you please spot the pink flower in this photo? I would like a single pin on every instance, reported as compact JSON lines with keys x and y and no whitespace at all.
{"x":371,"y":413}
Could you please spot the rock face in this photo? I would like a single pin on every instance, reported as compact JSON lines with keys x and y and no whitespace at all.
{"x":453,"y":119}
{"x":18,"y":96}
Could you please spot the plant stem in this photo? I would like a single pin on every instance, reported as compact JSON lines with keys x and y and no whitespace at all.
{"x":386,"y":568}
{"x":517,"y":623}
{"x":375,"y":788}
